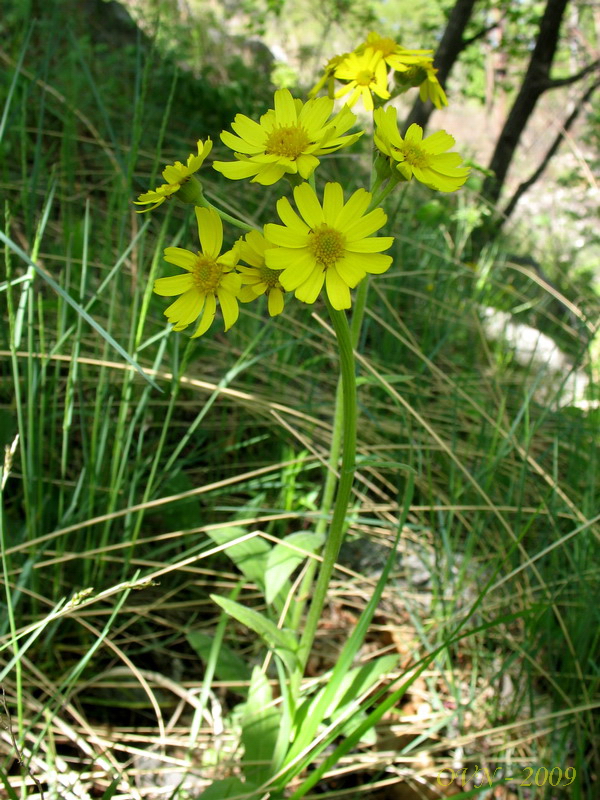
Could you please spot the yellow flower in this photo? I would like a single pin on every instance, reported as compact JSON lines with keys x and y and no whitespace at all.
{"x":331,"y":244}
{"x":426,"y":159}
{"x":208,"y":275}
{"x":328,"y":76}
{"x":365,"y":73}
{"x":176,"y":176}
{"x":423,"y":74}
{"x":287,"y":139}
{"x":257,"y":278}
{"x":395,"y":56}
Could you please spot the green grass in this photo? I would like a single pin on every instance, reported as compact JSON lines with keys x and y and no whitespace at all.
{"x":113,"y":485}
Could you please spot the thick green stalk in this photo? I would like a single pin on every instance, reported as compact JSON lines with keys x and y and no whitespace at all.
{"x":334,"y":456}
{"x":338,"y":521}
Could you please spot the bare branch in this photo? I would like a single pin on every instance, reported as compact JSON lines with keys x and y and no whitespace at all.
{"x":523,"y":187}
{"x":554,"y":83}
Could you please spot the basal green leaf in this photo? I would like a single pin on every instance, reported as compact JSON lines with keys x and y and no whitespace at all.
{"x":282,"y":641}
{"x":230,"y":787}
{"x":283,"y":560}
{"x":229,"y":666}
{"x":260,"y":727}
{"x":249,"y":556}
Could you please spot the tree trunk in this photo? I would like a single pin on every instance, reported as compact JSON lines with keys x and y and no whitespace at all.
{"x":535,"y":82}
{"x":450,"y":47}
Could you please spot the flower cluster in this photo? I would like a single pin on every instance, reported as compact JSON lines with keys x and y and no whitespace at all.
{"x":329,"y":244}
{"x":321,"y":244}
{"x":366,"y":72}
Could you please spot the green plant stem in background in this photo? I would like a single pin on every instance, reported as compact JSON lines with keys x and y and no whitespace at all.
{"x":228,"y":218}
{"x":338,"y":521}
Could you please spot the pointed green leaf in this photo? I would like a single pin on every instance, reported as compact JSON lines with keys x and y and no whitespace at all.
{"x":249,"y":556}
{"x":282,"y":641}
{"x":260,"y":727}
{"x":230,"y":787}
{"x":283,"y":559}
{"x":229,"y":666}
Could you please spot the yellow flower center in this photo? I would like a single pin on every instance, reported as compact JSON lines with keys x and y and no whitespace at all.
{"x":365,"y":77}
{"x":270,"y":276}
{"x":207,"y":273}
{"x":288,"y":142}
{"x":326,"y":245}
{"x":385,"y":46}
{"x":416,"y":156}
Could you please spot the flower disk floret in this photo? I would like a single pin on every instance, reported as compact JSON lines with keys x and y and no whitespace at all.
{"x":287,"y":140}
{"x":208,"y":276}
{"x":425,"y":159}
{"x":177,"y":176}
{"x":329,"y":244}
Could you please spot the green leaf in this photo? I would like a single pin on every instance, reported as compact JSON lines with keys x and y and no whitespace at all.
{"x":359,"y":680}
{"x":283,"y":642}
{"x":229,"y":666}
{"x":352,"y":685}
{"x":249,"y":556}
{"x":230,"y":787}
{"x":306,"y":729}
{"x":283,"y":560}
{"x":260,"y":728}
{"x":9,"y":789}
{"x":373,"y":461}
{"x":78,"y":308}
{"x":110,"y":791}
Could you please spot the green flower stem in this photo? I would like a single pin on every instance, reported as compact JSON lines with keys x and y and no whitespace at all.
{"x":338,"y":521}
{"x":334,"y":457}
{"x":227,"y":217}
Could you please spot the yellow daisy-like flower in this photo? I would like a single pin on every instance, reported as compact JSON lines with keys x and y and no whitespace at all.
{"x":365,"y":73}
{"x":330,"y":244}
{"x":208,"y":275}
{"x":176,"y":176}
{"x":287,"y":139}
{"x":328,"y":76}
{"x":423,"y":74}
{"x":425,"y":159}
{"x":395,"y":56}
{"x":257,"y":278}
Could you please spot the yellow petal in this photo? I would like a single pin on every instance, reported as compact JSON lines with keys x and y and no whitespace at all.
{"x":185,"y":309}
{"x":333,"y":202}
{"x":229,"y":307}
{"x":236,"y":170}
{"x":311,"y":287}
{"x":354,"y":208}
{"x":365,"y":226}
{"x":285,"y":237}
{"x":275,"y":302}
{"x":269,"y":174}
{"x":210,"y":307}
{"x":373,"y":245}
{"x":289,"y":217}
{"x":285,"y":108}
{"x":296,"y":268}
{"x":210,"y":231}
{"x":172,"y":285}
{"x":308,"y":204}
{"x":180,"y":257}
{"x":249,"y":131}
{"x":337,"y":290}
{"x":350,"y":270}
